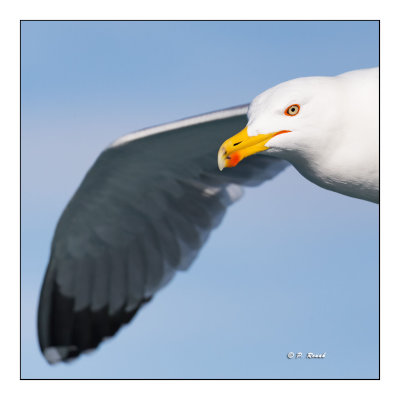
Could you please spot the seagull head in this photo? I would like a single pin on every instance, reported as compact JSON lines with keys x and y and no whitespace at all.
{"x":288,"y":121}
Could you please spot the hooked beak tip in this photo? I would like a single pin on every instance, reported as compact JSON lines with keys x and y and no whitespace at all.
{"x":221,"y":159}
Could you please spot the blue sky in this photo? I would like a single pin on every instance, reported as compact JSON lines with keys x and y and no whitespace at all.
{"x":312,"y":283}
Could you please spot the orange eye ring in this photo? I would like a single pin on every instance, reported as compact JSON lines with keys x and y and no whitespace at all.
{"x":292,"y":110}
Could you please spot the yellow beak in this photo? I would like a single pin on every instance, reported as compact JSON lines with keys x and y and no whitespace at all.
{"x":241,"y":146}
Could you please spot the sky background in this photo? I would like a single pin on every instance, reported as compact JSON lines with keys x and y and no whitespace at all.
{"x":312,"y":283}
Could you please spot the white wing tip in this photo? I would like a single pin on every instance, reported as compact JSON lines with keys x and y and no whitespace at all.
{"x":235,"y":192}
{"x":52,"y":355}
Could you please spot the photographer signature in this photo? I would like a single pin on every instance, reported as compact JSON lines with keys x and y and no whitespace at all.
{"x":291,"y":355}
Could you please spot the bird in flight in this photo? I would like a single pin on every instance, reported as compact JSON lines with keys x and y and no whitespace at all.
{"x":151,"y":199}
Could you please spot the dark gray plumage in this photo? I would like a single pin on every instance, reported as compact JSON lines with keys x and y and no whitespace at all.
{"x":142,"y":212}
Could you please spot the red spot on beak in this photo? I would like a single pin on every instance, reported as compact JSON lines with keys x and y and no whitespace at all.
{"x":234,"y":159}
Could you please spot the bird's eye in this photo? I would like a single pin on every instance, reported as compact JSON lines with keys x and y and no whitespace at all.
{"x":292,"y":110}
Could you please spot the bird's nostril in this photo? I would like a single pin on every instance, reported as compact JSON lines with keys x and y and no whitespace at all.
{"x":237,"y":143}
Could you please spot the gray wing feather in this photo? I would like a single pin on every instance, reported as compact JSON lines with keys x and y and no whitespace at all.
{"x":142,"y":212}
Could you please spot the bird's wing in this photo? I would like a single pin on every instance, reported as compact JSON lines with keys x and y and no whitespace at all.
{"x":142,"y":212}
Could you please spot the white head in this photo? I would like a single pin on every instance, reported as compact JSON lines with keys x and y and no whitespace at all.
{"x":288,"y":121}
{"x":327,"y":127}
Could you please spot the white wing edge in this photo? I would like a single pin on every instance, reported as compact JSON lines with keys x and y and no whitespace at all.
{"x":182,"y":123}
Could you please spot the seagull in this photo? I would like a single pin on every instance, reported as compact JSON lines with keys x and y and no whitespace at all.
{"x":151,"y":199}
